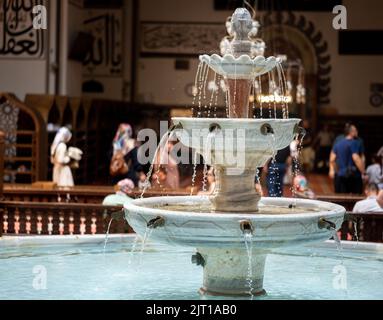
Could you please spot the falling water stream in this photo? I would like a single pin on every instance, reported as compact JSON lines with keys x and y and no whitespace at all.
{"x":248,"y":238}
{"x":194,"y":175}
{"x":338,"y":244}
{"x":148,"y":233}
{"x":107,"y":234}
{"x":133,"y":250}
{"x":355,"y":224}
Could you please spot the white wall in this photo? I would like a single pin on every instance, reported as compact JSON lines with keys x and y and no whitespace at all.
{"x":21,"y":77}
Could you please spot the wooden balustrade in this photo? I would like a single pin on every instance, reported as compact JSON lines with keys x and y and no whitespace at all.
{"x":77,"y":194}
{"x":32,"y":218}
{"x":368,"y":227}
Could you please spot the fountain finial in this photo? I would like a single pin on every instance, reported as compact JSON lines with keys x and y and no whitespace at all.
{"x":242,"y":25}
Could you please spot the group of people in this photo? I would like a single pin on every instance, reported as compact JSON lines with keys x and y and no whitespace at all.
{"x":346,"y":166}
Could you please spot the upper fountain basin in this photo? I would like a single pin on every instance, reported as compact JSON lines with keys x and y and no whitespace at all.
{"x":184,"y":222}
{"x":250,"y":139}
{"x":243,"y":67}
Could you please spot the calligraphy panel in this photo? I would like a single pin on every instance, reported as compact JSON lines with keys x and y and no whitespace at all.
{"x":181,"y":38}
{"x":18,"y":38}
{"x":105,"y":57}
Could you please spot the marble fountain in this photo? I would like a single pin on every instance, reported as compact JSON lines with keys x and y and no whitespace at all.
{"x":234,"y":229}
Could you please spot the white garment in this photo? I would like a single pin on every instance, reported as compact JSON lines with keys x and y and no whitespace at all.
{"x":374,"y":173}
{"x":144,"y":185}
{"x":62,"y":174}
{"x":368,"y":205}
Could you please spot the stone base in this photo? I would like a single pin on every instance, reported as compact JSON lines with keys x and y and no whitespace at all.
{"x":205,"y":292}
{"x":226,"y":272}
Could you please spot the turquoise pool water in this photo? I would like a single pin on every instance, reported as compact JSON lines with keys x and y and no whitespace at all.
{"x":161,"y":272}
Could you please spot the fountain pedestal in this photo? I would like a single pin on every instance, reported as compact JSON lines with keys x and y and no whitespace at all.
{"x":226,"y":272}
{"x":234,"y":190}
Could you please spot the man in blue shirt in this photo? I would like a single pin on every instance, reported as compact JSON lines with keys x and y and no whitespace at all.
{"x":346,"y":163}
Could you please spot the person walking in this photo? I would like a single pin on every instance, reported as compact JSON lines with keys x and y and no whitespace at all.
{"x":346,"y":163}
{"x":62,"y":173}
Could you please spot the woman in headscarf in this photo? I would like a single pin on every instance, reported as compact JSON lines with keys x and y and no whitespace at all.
{"x":62,"y":174}
{"x":124,"y":163}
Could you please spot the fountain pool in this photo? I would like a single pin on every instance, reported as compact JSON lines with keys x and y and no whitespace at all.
{"x":76,"y":270}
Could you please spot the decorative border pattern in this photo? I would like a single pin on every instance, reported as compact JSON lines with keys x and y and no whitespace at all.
{"x":175,"y":38}
{"x":319,"y":44}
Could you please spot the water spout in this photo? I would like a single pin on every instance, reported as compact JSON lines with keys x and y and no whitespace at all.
{"x":325,"y":224}
{"x":198,"y":259}
{"x":246,"y":227}
{"x":156,"y":222}
{"x":267,"y":129}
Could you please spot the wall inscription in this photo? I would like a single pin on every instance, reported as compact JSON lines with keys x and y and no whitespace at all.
{"x":18,"y":38}
{"x":181,"y":38}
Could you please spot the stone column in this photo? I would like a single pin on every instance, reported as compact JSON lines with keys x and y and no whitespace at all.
{"x":238,"y":97}
{"x":225,"y":272}
{"x":235,"y":191}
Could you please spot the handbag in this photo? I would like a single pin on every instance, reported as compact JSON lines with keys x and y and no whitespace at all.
{"x":118,"y":165}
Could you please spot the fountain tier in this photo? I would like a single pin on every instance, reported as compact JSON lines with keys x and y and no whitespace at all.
{"x":219,"y":237}
{"x":236,"y":148}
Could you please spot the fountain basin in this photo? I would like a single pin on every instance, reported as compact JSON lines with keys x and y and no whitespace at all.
{"x":193,"y":229}
{"x":247,"y":136}
{"x":236,"y":148}
{"x":243,"y":67}
{"x":220,"y":238}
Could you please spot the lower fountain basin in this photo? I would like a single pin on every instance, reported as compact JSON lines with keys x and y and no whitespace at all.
{"x":186,"y":224}
{"x":232,"y":247}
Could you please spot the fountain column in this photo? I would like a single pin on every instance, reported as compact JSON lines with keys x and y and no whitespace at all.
{"x":226,"y":272}
{"x":235,"y":192}
{"x":235,"y":188}
{"x":238,"y":97}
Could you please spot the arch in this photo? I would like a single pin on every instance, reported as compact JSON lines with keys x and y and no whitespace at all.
{"x":54,"y":115}
{"x":303,"y":34}
{"x":80,"y":118}
{"x":67,"y":120}
{"x":25,"y":135}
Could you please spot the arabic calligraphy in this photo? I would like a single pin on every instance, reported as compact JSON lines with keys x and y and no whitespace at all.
{"x":18,"y":38}
{"x":105,"y":58}
{"x":180,"y":38}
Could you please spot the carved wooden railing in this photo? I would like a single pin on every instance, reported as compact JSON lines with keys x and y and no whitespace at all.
{"x":366,"y":227}
{"x":32,"y":218}
{"x":96,"y":194}
{"x":77,"y":194}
